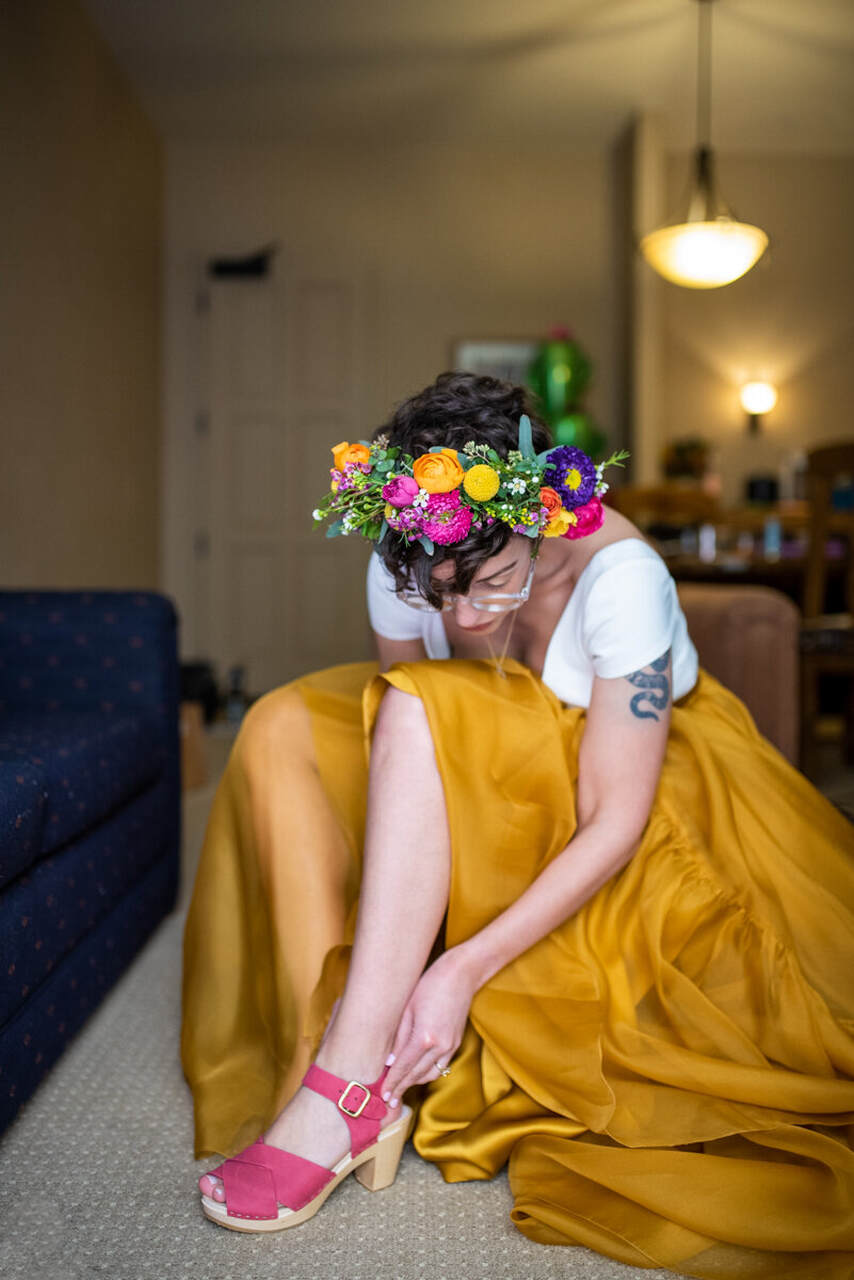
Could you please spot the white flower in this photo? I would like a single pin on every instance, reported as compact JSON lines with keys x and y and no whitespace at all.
{"x":348,"y":523}
{"x":517,"y":485}
{"x":317,"y":514}
{"x":421,"y":498}
{"x":602,"y":488}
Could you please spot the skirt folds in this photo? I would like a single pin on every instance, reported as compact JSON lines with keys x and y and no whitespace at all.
{"x":670,"y":1073}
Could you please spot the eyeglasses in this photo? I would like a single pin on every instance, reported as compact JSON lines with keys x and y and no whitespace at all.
{"x":487,"y":601}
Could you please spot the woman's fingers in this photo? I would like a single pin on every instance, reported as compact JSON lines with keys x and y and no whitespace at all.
{"x":414,"y":1070}
{"x":404,"y":1031}
{"x":403,"y":1064}
{"x":417,"y":1047}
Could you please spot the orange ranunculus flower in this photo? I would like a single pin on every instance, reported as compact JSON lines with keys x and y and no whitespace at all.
{"x":564,"y":520}
{"x":346,"y":452}
{"x":550,"y":499}
{"x":438,"y":472}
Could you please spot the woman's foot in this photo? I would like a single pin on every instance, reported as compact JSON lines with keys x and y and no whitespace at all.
{"x":310,"y":1125}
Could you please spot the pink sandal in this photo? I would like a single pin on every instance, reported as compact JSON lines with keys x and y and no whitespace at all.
{"x":267,"y":1189}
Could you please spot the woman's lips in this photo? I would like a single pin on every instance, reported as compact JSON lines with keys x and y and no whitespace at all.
{"x":483,"y":626}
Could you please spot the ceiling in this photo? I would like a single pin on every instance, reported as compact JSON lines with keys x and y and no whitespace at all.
{"x":526,"y":72}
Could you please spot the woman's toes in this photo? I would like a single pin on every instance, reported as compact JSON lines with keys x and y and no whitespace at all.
{"x":211,"y":1186}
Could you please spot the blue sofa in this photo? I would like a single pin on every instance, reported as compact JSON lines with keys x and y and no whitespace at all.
{"x":89,"y":809}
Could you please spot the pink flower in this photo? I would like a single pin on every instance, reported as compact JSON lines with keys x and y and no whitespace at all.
{"x":400,"y":491}
{"x":439,"y":503}
{"x":589,"y":519}
{"x":445,"y":519}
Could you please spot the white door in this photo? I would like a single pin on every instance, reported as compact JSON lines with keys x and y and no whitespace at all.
{"x":289,"y":370}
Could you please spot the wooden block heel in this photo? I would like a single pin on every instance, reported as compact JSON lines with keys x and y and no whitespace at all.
{"x":380,"y":1172}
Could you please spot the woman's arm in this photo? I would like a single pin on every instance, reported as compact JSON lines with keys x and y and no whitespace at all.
{"x":619,"y":762}
{"x":391,"y":651}
{"x":620,"y":758}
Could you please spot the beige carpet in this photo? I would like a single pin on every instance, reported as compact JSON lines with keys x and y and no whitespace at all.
{"x":97,"y":1179}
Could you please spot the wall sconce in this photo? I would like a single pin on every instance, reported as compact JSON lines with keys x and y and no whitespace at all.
{"x":757,"y":398}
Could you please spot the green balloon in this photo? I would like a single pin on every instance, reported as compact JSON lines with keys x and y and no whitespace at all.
{"x":559,"y":375}
{"x":579,"y":429}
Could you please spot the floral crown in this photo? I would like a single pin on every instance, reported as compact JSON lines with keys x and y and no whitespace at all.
{"x":438,"y":497}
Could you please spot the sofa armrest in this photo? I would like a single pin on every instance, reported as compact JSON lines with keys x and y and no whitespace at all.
{"x":108,"y":651}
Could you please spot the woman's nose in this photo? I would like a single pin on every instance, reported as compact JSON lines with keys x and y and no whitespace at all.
{"x":467,"y":616}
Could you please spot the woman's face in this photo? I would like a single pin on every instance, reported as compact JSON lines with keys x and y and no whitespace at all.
{"x":504,"y":573}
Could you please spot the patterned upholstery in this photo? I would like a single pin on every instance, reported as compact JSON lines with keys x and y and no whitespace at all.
{"x":89,"y":809}
{"x":86,"y":765}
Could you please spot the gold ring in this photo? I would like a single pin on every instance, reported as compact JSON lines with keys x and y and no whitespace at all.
{"x":446,"y":1071}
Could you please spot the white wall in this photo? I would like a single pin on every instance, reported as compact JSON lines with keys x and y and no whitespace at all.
{"x":80,"y":309}
{"x":789,"y":321}
{"x":459,"y":243}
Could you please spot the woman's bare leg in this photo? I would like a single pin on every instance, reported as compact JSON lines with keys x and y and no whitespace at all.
{"x":403,"y":896}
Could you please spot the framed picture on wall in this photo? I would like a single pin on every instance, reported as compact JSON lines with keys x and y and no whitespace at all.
{"x":508,"y":358}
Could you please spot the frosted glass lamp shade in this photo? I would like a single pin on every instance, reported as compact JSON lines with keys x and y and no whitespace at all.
{"x":704,"y":255}
{"x":758,"y":397}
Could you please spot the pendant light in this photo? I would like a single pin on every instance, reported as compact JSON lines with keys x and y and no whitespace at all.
{"x":708,"y":247}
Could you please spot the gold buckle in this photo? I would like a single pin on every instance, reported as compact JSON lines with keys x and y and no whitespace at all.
{"x":362,"y":1104}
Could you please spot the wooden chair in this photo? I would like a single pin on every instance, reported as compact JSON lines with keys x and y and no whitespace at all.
{"x":827,"y":640}
{"x":665,"y":504}
{"x":747,"y":637}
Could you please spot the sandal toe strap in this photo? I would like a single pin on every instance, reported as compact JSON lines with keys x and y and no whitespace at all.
{"x":261,"y":1178}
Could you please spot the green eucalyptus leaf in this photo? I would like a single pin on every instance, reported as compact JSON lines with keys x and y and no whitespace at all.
{"x":335,"y":529}
{"x":384,"y":528}
{"x":427,"y":544}
{"x":526,"y":443}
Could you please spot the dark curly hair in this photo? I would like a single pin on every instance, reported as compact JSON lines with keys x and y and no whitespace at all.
{"x":456,"y":408}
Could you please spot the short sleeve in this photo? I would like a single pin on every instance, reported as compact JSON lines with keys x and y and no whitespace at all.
{"x":390,"y":616}
{"x":630,"y":616}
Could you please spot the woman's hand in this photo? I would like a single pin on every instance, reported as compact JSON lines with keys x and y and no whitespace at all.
{"x":431,"y":1025}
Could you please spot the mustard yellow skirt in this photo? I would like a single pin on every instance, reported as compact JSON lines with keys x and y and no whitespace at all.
{"x":670,"y":1073}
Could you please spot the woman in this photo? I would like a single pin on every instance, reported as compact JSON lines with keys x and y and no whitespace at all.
{"x":640,"y":997}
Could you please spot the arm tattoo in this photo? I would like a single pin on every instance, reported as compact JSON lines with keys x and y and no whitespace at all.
{"x":656,"y":688}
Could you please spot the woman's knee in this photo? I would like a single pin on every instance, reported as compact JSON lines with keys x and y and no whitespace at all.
{"x":276,"y":724}
{"x":401,"y":723}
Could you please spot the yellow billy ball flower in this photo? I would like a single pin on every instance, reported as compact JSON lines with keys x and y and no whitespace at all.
{"x":481,"y":482}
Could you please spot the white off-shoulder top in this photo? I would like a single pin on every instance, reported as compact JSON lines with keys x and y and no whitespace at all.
{"x":623,"y":614}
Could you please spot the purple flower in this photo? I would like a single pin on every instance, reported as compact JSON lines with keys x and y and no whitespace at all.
{"x":400,"y":491}
{"x":405,"y":520}
{"x":571,"y":474}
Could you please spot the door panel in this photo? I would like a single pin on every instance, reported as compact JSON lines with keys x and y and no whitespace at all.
{"x":290,"y":359}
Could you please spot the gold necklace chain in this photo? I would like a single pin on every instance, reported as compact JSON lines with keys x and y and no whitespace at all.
{"x":498,"y":661}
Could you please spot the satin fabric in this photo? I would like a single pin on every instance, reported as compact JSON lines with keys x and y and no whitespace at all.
{"x":670,"y":1073}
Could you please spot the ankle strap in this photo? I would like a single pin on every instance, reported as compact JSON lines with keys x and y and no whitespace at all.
{"x":361,"y":1105}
